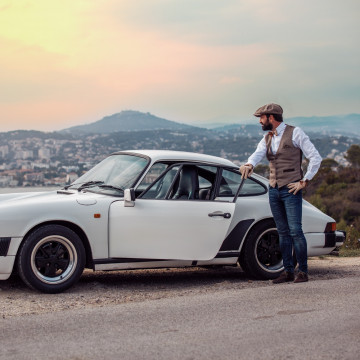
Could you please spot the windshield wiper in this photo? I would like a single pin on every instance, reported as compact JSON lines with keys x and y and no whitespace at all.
{"x":112,"y":187}
{"x":88,"y":184}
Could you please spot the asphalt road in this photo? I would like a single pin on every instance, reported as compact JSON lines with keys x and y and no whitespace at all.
{"x":315,"y":320}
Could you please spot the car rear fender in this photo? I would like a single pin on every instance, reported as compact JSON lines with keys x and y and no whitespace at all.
{"x":236,"y":237}
{"x":255,"y":224}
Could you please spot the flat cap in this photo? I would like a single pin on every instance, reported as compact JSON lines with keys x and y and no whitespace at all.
{"x":273,"y":109}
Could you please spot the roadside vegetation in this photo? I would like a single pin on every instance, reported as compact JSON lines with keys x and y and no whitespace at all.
{"x":335,"y":190}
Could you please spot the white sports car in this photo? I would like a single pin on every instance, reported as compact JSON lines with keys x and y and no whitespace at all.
{"x":149,"y":209}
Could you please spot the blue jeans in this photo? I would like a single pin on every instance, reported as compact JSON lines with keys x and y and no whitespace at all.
{"x":287,"y":211}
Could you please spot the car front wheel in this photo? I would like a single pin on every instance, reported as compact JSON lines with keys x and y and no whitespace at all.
{"x":261,"y":256}
{"x":51,"y":259}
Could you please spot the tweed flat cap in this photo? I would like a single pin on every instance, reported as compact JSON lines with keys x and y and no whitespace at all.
{"x":269,"y":109}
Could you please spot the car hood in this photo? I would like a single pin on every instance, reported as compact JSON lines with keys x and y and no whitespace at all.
{"x":82,"y":197}
{"x":19,"y":196}
{"x":20,"y":212}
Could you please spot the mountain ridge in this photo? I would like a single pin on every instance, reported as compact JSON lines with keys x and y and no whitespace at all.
{"x":131,"y":120}
{"x":347,"y":125}
{"x":128,"y":120}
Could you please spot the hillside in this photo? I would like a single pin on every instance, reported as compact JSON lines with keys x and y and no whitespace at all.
{"x":328,"y":125}
{"x":46,"y":155}
{"x":346,"y":125}
{"x":128,"y":121}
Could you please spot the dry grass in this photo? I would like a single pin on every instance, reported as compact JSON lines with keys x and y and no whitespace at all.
{"x":344,"y":252}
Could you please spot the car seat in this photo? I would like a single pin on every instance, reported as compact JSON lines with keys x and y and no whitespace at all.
{"x":187,"y":184}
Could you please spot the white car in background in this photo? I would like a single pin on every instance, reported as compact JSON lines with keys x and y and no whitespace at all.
{"x":149,"y":209}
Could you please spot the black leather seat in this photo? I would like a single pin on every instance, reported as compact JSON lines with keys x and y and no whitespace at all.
{"x":188,"y":184}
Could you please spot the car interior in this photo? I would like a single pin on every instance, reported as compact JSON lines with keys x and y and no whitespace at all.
{"x":187,"y":184}
{"x":195,"y":182}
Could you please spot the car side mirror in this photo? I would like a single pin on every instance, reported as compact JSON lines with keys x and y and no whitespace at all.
{"x":129,"y":197}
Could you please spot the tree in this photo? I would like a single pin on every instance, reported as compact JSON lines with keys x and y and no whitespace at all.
{"x":329,"y":163}
{"x":353,"y":155}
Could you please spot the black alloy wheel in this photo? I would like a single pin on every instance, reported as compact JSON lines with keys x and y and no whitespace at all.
{"x":51,"y":259}
{"x":267,"y":250}
{"x":260,"y":255}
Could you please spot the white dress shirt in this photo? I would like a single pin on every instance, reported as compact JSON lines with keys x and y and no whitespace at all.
{"x":300,"y":140}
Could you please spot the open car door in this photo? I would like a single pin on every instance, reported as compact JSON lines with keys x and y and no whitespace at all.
{"x":173,"y":228}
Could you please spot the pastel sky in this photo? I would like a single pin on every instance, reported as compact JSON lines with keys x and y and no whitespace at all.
{"x":71,"y":62}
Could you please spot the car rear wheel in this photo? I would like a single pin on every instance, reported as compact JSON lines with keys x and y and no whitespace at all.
{"x":261,"y":256}
{"x":51,"y":259}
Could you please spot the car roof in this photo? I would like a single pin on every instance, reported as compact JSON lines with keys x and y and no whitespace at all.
{"x":170,"y":155}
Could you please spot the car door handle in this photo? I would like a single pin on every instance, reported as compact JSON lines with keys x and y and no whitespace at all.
{"x":218,"y":213}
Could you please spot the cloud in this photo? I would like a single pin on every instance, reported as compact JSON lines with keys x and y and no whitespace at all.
{"x":180,"y":59}
{"x":238,"y":21}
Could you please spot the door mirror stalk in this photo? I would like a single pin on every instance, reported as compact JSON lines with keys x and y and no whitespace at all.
{"x":129,"y":197}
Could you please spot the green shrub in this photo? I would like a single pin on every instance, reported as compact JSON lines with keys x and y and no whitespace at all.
{"x":352,"y":238}
{"x":317,"y":201}
{"x":336,"y":192}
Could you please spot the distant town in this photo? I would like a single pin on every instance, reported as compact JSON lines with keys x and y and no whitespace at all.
{"x":35,"y":161}
{"x":35,"y":158}
{"x":43,"y":162}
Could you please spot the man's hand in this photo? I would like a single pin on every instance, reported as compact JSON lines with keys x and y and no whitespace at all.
{"x":246,"y":170}
{"x":297,"y":186}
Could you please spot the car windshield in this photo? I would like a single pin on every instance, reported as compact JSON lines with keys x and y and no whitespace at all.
{"x":113,"y":174}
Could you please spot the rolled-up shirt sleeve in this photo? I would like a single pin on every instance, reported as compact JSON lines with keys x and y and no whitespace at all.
{"x":259,"y":153}
{"x":301,"y":140}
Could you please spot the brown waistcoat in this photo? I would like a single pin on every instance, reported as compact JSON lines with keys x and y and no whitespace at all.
{"x":285,"y":165}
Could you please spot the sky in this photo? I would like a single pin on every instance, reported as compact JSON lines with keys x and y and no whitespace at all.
{"x":71,"y":62}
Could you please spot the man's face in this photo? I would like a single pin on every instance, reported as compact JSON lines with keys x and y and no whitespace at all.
{"x":265,"y":123}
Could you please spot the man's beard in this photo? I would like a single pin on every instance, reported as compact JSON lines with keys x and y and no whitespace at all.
{"x":267,"y":126}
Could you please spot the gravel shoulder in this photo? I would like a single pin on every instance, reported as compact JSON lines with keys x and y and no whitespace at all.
{"x":98,"y":289}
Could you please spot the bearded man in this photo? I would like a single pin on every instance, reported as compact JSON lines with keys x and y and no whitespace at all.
{"x":284,"y":145}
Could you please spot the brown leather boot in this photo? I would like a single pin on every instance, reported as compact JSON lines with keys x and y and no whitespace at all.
{"x":301,"y":277}
{"x":284,"y":277}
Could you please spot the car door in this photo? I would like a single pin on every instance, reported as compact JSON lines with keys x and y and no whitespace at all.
{"x":168,"y":224}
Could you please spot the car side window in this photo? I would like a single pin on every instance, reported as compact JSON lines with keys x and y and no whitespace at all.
{"x":161,"y":186}
{"x":190,"y":182}
{"x":230,"y":182}
{"x":252,"y":188}
{"x":154,"y":172}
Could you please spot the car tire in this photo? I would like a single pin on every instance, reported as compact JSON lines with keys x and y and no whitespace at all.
{"x":260,"y":255}
{"x":51,"y":259}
